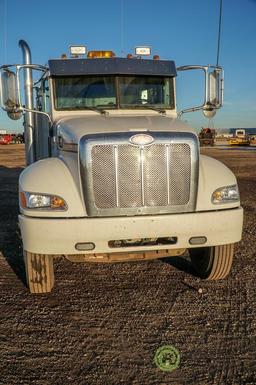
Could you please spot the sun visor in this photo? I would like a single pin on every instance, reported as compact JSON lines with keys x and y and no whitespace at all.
{"x":113,"y":66}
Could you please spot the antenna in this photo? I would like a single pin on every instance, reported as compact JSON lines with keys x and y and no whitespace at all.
{"x":122,"y":27}
{"x":5,"y":31}
{"x":219,"y":33}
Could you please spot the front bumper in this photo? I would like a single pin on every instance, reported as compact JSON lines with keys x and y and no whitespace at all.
{"x":60,"y":235}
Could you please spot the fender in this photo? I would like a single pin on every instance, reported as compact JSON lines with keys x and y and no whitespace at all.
{"x":53,"y":176}
{"x":213,"y":175}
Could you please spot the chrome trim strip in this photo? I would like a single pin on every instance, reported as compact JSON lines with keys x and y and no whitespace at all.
{"x":167,"y":154}
{"x":116,"y":175}
{"x":142,"y":175}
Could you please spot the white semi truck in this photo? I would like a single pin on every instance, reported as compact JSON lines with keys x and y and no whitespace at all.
{"x":113,"y":173}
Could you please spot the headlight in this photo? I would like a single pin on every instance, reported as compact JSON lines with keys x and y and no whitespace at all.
{"x":227,"y":194}
{"x":41,"y":201}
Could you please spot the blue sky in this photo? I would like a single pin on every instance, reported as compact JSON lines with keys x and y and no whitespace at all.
{"x":184,"y":31}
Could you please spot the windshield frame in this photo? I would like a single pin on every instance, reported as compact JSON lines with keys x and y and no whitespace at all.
{"x":117,"y":105}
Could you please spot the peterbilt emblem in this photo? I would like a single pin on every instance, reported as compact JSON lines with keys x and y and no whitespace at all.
{"x":141,"y":139}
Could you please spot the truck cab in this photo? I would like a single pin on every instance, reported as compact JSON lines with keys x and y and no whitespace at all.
{"x":113,"y":173}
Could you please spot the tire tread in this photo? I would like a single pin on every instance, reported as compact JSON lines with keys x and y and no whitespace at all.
{"x":213,"y":263}
{"x":222,"y":261}
{"x":39,"y":272}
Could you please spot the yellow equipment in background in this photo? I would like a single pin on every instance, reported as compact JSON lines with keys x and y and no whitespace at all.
{"x":239,"y":139}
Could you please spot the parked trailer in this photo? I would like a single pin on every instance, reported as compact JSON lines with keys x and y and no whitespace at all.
{"x":113,"y":173}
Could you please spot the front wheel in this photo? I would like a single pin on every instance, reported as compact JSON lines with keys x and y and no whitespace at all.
{"x":213,"y":262}
{"x":39,"y":272}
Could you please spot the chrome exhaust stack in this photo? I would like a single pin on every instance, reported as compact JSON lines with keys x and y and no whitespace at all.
{"x":28,"y":89}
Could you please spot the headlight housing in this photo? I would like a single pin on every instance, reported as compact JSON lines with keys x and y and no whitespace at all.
{"x":33,"y":201}
{"x":226,"y":194}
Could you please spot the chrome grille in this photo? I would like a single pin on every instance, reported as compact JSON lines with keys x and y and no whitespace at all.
{"x":129,"y":176}
{"x":119,"y":178}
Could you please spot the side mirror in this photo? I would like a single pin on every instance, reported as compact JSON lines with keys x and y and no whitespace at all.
{"x":215,"y":85}
{"x":209,"y":111}
{"x":15,"y":115}
{"x":213,"y":91}
{"x":213,"y":95}
{"x":9,"y":91}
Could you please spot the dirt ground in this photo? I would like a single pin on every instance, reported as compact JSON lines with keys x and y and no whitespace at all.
{"x":103,"y":323}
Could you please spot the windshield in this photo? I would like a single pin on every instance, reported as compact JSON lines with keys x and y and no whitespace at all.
{"x":106,"y":92}
{"x":146,"y":91}
{"x":84,"y":91}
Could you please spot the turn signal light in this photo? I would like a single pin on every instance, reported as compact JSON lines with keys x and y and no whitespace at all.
{"x":57,"y":202}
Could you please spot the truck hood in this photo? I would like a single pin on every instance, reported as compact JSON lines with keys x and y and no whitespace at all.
{"x":72,"y":129}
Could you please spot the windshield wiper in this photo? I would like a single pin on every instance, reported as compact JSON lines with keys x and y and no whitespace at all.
{"x":160,"y":111}
{"x":99,"y":110}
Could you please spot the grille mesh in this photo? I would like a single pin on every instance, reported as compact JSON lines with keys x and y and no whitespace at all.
{"x":103,"y":173}
{"x":155,"y":180}
{"x":180,"y":173}
{"x":127,"y":176}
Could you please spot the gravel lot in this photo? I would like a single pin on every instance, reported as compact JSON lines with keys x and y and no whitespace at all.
{"x":103,"y":323}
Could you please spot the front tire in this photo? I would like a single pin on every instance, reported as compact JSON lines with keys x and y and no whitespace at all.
{"x":212,"y":263}
{"x":39,"y":272}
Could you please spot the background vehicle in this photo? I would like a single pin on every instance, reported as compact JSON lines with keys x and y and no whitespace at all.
{"x":5,"y":139}
{"x":253,"y":140}
{"x":206,"y":137}
{"x":113,"y":173}
{"x":17,"y":138}
{"x":240,"y":138}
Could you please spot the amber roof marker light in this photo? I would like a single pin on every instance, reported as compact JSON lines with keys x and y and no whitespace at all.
{"x":100,"y":54}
